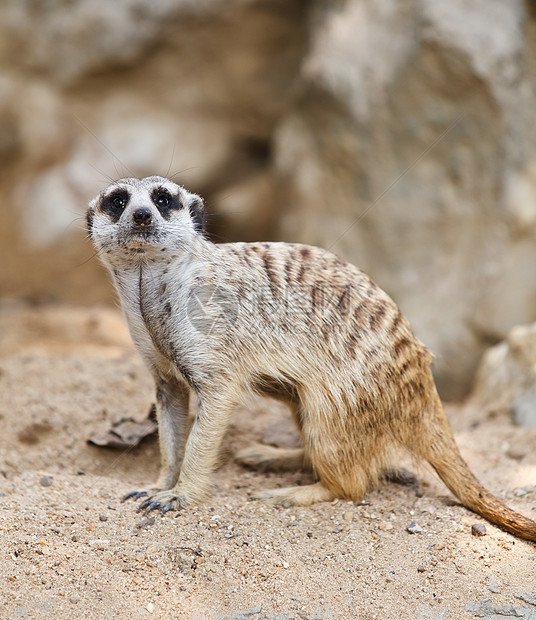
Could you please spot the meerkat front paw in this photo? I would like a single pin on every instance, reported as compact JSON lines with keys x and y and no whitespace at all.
{"x":164,"y":501}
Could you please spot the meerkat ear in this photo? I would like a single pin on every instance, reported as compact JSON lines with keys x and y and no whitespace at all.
{"x":197,"y":211}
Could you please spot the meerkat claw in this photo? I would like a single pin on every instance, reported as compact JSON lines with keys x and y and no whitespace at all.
{"x":134,"y":494}
{"x":145,"y":504}
{"x":152,"y":506}
{"x":167,"y":508}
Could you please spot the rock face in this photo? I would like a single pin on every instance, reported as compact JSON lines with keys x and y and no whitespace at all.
{"x":506,"y":377}
{"x":399,"y":133}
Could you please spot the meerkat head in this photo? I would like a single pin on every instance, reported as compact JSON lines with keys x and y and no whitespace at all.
{"x":142,"y":216}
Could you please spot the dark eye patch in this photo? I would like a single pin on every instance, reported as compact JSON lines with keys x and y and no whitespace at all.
{"x":165,"y":202}
{"x":115,"y":204}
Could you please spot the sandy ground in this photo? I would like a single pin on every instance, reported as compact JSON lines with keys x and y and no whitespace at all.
{"x":69,"y":547}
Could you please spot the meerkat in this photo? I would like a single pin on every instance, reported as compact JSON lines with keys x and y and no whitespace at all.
{"x":224,"y":321}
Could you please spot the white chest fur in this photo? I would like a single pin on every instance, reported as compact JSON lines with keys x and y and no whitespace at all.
{"x":155,"y":300}
{"x":130,"y":284}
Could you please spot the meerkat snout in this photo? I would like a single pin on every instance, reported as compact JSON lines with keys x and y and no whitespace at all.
{"x":142,"y":217}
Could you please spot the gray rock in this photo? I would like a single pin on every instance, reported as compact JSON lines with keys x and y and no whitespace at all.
{"x":493,"y":586}
{"x":425,"y":613}
{"x":213,"y":131}
{"x":506,"y":378}
{"x":522,"y":491}
{"x":305,"y":616}
{"x":527,"y":597}
{"x":478,"y":529}
{"x":524,"y":408}
{"x":414,"y":528}
{"x":485,"y":609}
{"x":248,"y":613}
{"x":145,"y":523}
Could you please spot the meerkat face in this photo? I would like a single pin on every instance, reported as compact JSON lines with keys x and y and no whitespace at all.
{"x":144,"y":216}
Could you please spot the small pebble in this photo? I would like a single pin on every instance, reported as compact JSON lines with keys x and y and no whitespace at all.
{"x":413,"y":528}
{"x":516,"y":453}
{"x":103,"y":517}
{"x":420,"y":569}
{"x":522,"y":491}
{"x":478,"y":529}
{"x":46,"y":481}
{"x":337,"y":530}
{"x":99,"y":544}
{"x":74,"y":599}
{"x":147,"y":522}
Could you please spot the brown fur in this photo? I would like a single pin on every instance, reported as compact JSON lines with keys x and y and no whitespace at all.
{"x":291,"y":321}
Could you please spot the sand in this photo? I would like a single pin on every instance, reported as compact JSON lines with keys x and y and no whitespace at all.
{"x":71,"y":548}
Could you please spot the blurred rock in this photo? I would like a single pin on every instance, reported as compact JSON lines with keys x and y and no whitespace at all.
{"x":124,"y":30}
{"x":506,"y":377}
{"x":245,"y":210}
{"x":524,"y":408}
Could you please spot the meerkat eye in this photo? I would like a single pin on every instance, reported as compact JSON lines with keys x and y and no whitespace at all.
{"x":162,"y":200}
{"x":119,"y":202}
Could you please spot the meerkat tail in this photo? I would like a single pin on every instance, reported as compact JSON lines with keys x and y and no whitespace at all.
{"x":442,"y":453}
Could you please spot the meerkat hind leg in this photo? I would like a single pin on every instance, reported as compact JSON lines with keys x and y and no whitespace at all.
{"x":268,"y":458}
{"x":297,"y":496}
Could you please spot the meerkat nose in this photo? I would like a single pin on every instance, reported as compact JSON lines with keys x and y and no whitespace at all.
{"x":142,"y":216}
